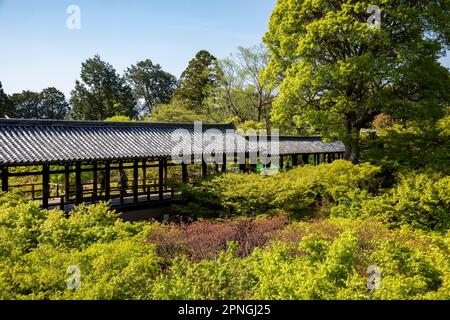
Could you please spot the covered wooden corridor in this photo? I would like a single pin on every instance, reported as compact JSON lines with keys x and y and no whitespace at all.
{"x":66,"y":163}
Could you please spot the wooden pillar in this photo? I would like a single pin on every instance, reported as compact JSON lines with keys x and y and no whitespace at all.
{"x":136,"y":181}
{"x":305,"y":159}
{"x":243,"y":167}
{"x":184,"y":173}
{"x":161,"y":179}
{"x":204,"y":169}
{"x":294,"y":160}
{"x":67,"y":182}
{"x":166,"y":169}
{"x":45,"y":185}
{"x":281,"y":162}
{"x":5,"y":176}
{"x":95,"y":188}
{"x":216,"y":168}
{"x":120,"y":191}
{"x":78,"y":186}
{"x":144,"y":179}
{"x":224,"y":164}
{"x":107,"y":181}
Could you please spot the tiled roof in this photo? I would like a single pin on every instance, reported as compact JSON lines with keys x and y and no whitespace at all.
{"x":52,"y":141}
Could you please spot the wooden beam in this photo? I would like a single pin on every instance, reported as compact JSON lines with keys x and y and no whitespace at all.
{"x":5,"y":179}
{"x":45,"y":185}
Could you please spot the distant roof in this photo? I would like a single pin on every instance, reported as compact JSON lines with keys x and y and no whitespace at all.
{"x":56,"y":141}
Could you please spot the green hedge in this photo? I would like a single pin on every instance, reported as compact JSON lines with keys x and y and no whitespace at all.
{"x":305,"y":190}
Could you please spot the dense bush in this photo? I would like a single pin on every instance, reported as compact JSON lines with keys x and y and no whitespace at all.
{"x":418,"y":200}
{"x":329,"y":260}
{"x":208,"y":239}
{"x":340,"y":189}
{"x":256,"y":258}
{"x":304,"y":190}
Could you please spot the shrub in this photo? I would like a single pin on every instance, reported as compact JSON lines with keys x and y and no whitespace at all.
{"x":206,"y":240}
{"x":419,"y":200}
{"x":299,"y":191}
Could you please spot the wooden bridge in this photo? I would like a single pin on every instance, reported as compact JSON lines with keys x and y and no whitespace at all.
{"x":66,"y":163}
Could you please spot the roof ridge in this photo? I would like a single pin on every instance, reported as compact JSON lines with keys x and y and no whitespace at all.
{"x":91,"y":123}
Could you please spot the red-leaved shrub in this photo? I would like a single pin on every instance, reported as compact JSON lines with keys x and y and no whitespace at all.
{"x":205,"y":240}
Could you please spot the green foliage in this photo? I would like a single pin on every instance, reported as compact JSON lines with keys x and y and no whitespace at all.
{"x":198,"y":82}
{"x":418,"y":200}
{"x":151,"y":83}
{"x":50,"y":103}
{"x":176,"y":112}
{"x":412,"y":148}
{"x":119,"y":119}
{"x":328,"y":260}
{"x":335,"y":73}
{"x":244,"y":93}
{"x":323,"y":259}
{"x":7,"y":107}
{"x":101,"y":93}
{"x":299,"y":191}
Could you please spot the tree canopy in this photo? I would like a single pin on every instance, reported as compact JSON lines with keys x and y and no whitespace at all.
{"x":151,"y":83}
{"x":6,"y":105}
{"x":50,"y":103}
{"x":244,"y":92}
{"x":336,"y":73}
{"x":101,"y":93}
{"x":176,"y":111}
{"x":199,"y":81}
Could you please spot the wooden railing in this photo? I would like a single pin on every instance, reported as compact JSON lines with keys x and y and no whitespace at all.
{"x":58,"y":195}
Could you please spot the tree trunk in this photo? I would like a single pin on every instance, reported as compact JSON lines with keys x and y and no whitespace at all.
{"x":353,"y":150}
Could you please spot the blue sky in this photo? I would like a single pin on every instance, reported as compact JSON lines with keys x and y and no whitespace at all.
{"x":39,"y":51}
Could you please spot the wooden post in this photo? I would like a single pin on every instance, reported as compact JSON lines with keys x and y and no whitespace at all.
{"x":107,"y":181}
{"x":67,"y":182}
{"x":161,"y":179}
{"x":184,"y":173}
{"x":5,"y":179}
{"x":305,"y":159}
{"x":62,"y":206}
{"x":78,"y":185}
{"x":243,"y":167}
{"x":281,"y":162}
{"x":120,"y":190}
{"x":144,"y":179}
{"x":204,"y":169}
{"x":166,"y":169}
{"x":294,"y":160}
{"x":136,"y":181}
{"x":45,"y":185}
{"x":95,"y":187}
{"x":224,"y":164}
